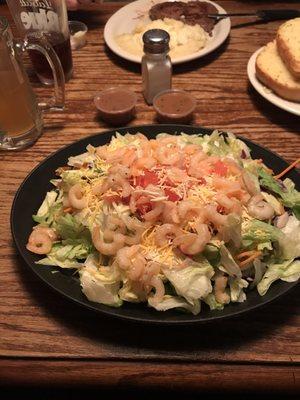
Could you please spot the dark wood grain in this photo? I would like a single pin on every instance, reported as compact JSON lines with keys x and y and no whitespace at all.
{"x":60,"y":342}
{"x":200,"y":377}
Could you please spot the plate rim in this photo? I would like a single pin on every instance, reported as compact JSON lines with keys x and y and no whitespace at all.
{"x":108,"y":311}
{"x":272,"y":97}
{"x":113,"y":46}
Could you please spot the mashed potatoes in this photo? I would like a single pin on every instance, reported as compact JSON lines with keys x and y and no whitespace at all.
{"x":184,"y":39}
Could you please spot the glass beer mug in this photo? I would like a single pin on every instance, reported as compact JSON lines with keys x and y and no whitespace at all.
{"x":47,"y":18}
{"x":20,"y":115}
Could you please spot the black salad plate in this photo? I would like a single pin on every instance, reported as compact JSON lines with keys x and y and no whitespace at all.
{"x":32,"y":192}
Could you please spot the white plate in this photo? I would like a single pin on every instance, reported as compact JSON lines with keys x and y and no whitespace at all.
{"x":126,"y":19}
{"x":289,"y":106}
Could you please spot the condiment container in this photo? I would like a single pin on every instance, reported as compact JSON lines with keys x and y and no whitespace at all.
{"x":174,"y":106}
{"x":156,"y":63}
{"x":116,"y":105}
{"x":78,"y":31}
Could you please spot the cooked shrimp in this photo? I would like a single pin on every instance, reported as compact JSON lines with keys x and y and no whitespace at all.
{"x":226,"y":186}
{"x":191,"y":149}
{"x":39,"y":242}
{"x":137,"y":228}
{"x":188,"y":210}
{"x":76,"y":197}
{"x":159,"y":287}
{"x":220,"y":289}
{"x":115,"y":223}
{"x":168,"y":155}
{"x":164,"y":233}
{"x":230,"y":205}
{"x":232,"y":166}
{"x":142,"y":163}
{"x":116,"y":181}
{"x":154,"y":214}
{"x":195,"y":161}
{"x":259,"y":208}
{"x":132,"y":261}
{"x":121,"y":170}
{"x":249,"y":184}
{"x":176,"y":175}
{"x":282,"y":220}
{"x":192,"y":243}
{"x":211,"y":214}
{"x":48,"y":231}
{"x":105,"y":248}
{"x":170,"y":213}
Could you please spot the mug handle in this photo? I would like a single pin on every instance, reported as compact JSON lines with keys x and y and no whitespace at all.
{"x":42,"y":45}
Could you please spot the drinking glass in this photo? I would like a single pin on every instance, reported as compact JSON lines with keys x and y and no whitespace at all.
{"x":48,"y":19}
{"x":20,"y":115}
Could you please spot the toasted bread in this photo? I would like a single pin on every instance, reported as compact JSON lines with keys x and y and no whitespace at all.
{"x":288,"y":43}
{"x":272,"y":72}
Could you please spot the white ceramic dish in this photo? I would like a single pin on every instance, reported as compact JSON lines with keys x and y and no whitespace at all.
{"x":126,"y":19}
{"x":286,"y":105}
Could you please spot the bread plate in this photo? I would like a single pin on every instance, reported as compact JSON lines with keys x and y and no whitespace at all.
{"x":273,"y":98}
{"x":126,"y":19}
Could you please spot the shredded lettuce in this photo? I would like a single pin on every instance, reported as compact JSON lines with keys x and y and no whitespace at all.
{"x":65,"y":256}
{"x":98,"y":289}
{"x":228,"y":264}
{"x":179,"y":303}
{"x":236,"y":286}
{"x":288,"y":271}
{"x":192,"y":282}
{"x":290,"y":242}
{"x":231,"y":232}
{"x":255,"y":233}
{"x":286,"y":190}
{"x":49,"y":209}
{"x":211,"y":301}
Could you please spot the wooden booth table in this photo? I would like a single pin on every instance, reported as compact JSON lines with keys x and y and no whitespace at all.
{"x":47,"y":340}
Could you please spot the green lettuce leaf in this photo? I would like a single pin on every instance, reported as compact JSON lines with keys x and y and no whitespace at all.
{"x":70,"y":228}
{"x":170,"y":302}
{"x":228,"y":264}
{"x":236,"y":287}
{"x":211,"y":301}
{"x":192,"y":282}
{"x":289,"y":195}
{"x":66,"y":255}
{"x":231,"y":232}
{"x":290,"y":241}
{"x":288,"y":271}
{"x":132,"y":293}
{"x":100,"y":286}
{"x":49,"y":209}
{"x":255,"y":232}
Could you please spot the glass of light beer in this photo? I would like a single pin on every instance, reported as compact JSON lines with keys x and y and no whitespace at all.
{"x":20,"y":114}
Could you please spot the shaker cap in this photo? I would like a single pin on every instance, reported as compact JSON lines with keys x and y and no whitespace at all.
{"x":156,"y":41}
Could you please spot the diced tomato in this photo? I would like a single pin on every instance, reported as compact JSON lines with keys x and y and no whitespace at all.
{"x":172,"y":196}
{"x":220,"y":209}
{"x":220,"y":168}
{"x":114,"y":198}
{"x":148,"y":178}
{"x":143,"y":208}
{"x":126,"y":200}
{"x":201,"y":181}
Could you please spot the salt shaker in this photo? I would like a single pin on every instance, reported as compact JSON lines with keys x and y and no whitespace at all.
{"x":156,"y":64}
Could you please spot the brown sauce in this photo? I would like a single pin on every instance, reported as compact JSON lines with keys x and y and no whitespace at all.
{"x":116,"y":105}
{"x":174,"y":106}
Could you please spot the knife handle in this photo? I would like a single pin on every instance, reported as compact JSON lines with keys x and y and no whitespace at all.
{"x":273,"y":15}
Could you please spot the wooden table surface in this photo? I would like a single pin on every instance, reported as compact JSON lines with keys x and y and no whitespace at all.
{"x":47,"y":340}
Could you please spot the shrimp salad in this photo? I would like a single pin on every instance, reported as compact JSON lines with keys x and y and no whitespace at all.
{"x":173,"y":222}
